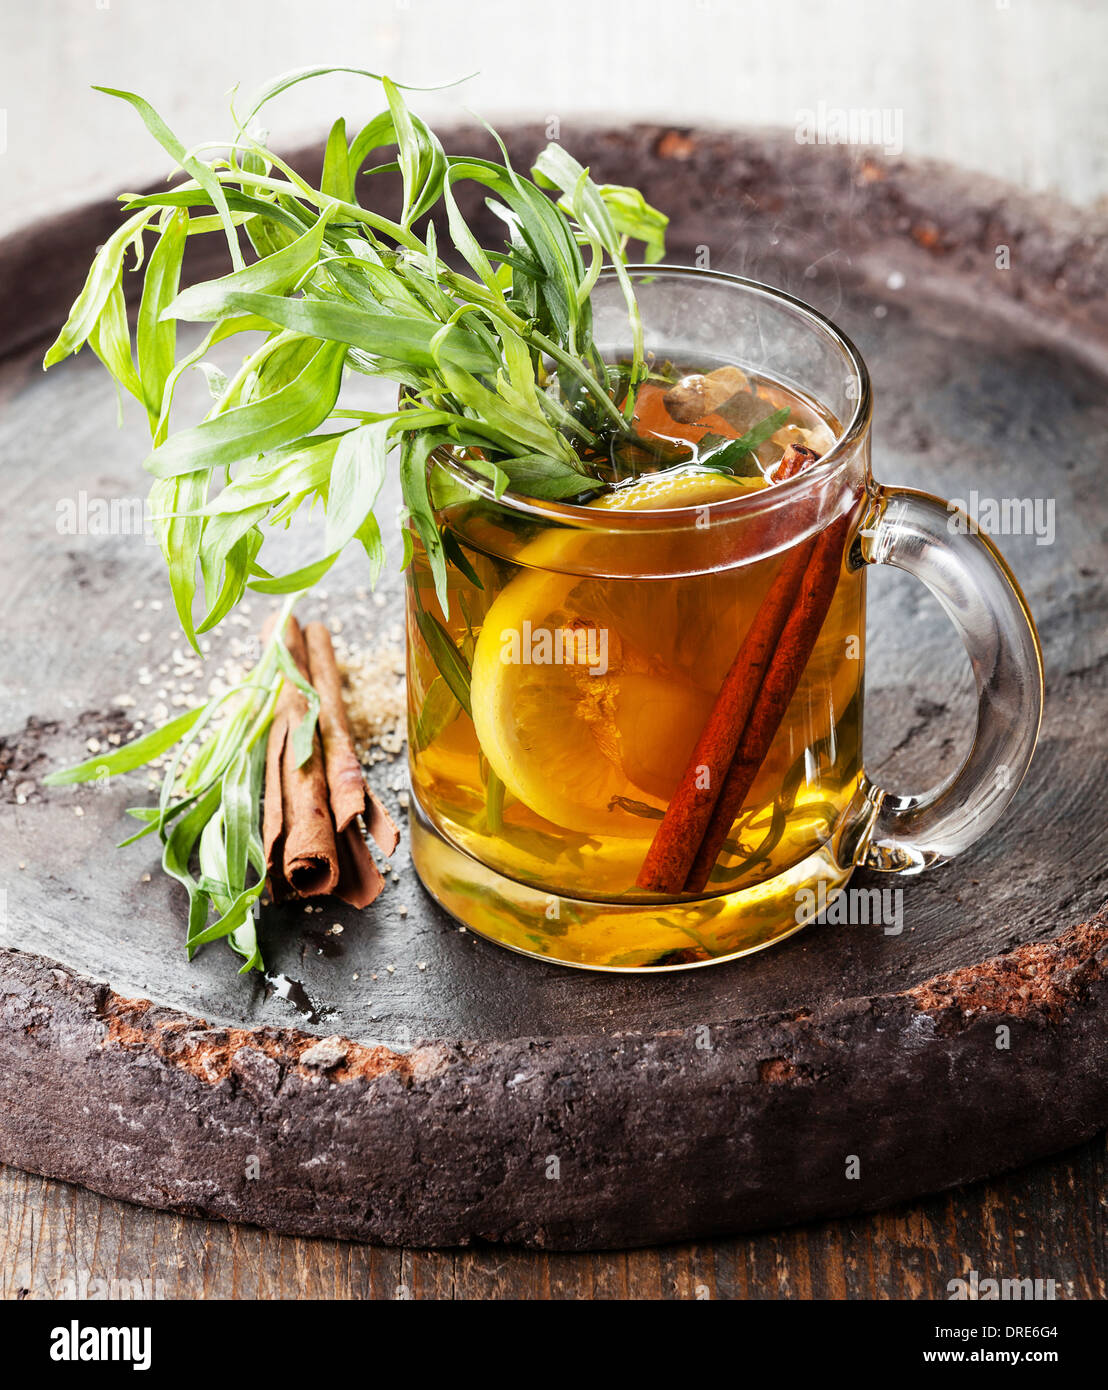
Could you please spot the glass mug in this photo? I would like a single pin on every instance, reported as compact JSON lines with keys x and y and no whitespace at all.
{"x":558,"y":706}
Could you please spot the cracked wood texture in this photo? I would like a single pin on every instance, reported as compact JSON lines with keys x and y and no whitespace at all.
{"x":1045,"y":1222}
{"x":987,"y":378}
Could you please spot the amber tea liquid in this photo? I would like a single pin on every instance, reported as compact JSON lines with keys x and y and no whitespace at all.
{"x":588,"y":687}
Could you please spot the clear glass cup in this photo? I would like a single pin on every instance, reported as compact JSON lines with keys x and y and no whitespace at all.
{"x":555,"y":707}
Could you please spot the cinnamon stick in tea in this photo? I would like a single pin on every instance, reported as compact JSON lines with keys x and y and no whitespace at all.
{"x":797,"y":642}
{"x":770,"y":657}
{"x":675,"y":845}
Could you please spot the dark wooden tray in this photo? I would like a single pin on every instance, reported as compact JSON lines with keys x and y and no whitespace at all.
{"x":471,"y":1094}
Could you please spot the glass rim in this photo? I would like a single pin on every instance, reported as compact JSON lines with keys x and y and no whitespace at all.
{"x":583,"y":517}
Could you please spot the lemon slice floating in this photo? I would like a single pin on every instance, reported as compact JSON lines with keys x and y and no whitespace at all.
{"x":587,"y":692}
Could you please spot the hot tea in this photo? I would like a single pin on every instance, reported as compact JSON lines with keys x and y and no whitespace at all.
{"x":589,"y":687}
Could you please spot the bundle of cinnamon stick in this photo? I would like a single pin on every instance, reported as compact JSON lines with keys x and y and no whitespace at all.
{"x":756,"y":692}
{"x":312,"y":814}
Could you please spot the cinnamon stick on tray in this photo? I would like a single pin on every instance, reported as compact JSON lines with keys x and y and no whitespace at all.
{"x":310,"y":828}
{"x":297,"y":830}
{"x":350,"y":795}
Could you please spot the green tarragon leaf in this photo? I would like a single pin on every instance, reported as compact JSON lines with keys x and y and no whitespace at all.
{"x":731,"y":454}
{"x":102,"y":279}
{"x":156,"y":341}
{"x":337,"y":181}
{"x":248,"y":430}
{"x":202,"y":173}
{"x":129,"y":757}
{"x":449,"y":660}
{"x":391,"y":336}
{"x":276,"y":274}
{"x":357,"y":475}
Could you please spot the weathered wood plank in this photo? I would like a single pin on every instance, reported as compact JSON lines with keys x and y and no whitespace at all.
{"x":1047,"y":1221}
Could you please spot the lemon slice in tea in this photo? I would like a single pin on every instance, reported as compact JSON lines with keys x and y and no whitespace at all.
{"x":588,"y":693}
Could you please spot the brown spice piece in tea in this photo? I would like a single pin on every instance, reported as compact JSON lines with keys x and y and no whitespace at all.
{"x":749,"y":708}
{"x":745,"y":410}
{"x":795,"y":457}
{"x":702,"y":394}
{"x":783,"y":675}
{"x":691,"y":807}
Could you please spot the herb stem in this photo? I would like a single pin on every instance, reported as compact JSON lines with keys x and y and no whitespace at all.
{"x":579,"y":370}
{"x":391,"y":229}
{"x":497,"y":307}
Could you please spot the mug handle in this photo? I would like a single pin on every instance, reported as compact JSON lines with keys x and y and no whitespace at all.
{"x":963,"y":569}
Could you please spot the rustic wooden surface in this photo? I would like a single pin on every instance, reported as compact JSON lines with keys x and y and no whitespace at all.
{"x":1048,"y":1221}
{"x":565,"y":1143}
{"x":965,"y":360}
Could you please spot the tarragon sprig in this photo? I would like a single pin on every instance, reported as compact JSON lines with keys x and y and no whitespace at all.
{"x":338,"y":287}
